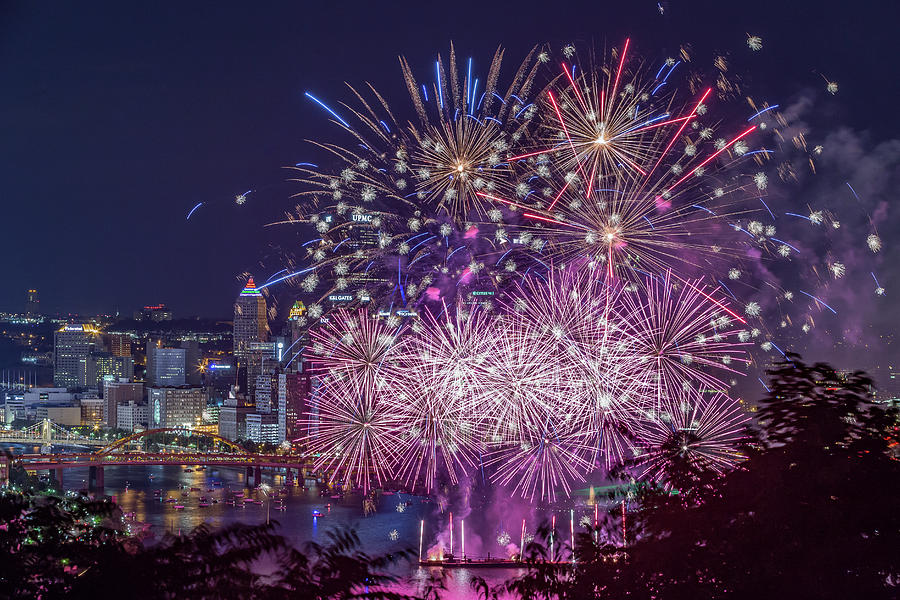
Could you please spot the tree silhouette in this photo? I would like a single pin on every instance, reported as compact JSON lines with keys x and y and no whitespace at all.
{"x":74,"y":547}
{"x":45,"y":541}
{"x":811,"y":512}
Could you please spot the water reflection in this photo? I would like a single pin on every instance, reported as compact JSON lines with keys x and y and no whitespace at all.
{"x":176,"y":499}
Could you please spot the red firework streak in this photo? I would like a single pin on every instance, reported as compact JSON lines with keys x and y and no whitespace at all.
{"x":680,"y":129}
{"x":546,"y":219}
{"x":566,"y":131}
{"x":619,"y":72}
{"x":559,"y":195}
{"x":489,"y":197}
{"x":712,"y":156}
{"x":711,"y":299}
{"x":574,"y":87}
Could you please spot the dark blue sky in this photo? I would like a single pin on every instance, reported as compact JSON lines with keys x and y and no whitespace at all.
{"x":116,"y":118}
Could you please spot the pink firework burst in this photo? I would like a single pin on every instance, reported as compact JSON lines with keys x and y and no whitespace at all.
{"x":439,"y":375}
{"x":546,"y":459}
{"x":692,"y":434}
{"x":352,"y":433}
{"x":355,"y":345}
{"x":681,"y":336}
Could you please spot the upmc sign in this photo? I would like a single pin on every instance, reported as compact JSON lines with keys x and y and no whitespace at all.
{"x":361,"y":218}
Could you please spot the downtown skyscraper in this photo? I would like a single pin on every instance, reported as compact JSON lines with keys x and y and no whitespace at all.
{"x":250,"y":321}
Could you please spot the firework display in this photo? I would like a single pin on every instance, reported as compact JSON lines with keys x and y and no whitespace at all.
{"x":692,"y":434}
{"x":538,"y":279}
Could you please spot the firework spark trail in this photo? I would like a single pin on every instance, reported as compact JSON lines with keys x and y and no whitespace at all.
{"x":711,"y":157}
{"x":546,"y":460}
{"x":677,"y":134}
{"x":619,"y":224}
{"x":619,"y":71}
{"x":569,"y":318}
{"x":562,"y":123}
{"x":683,"y":339}
{"x":440,"y":375}
{"x":198,"y":205}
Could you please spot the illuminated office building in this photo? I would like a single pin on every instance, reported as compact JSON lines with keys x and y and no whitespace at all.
{"x":154,"y":312}
{"x":119,"y":344}
{"x":263,"y":428}
{"x":91,"y":412}
{"x":233,"y":417}
{"x":297,"y":391}
{"x":97,"y":367}
{"x":71,"y":344}
{"x":165,"y":366}
{"x":132,"y":415}
{"x":176,"y":407}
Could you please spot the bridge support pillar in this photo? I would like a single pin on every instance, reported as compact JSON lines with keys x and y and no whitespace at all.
{"x":57,"y":475}
{"x":249,"y":475}
{"x":95,"y":478}
{"x":257,"y":476}
{"x":289,"y":477}
{"x":4,"y":470}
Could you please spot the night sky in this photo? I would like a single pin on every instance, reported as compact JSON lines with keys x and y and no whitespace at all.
{"x":116,"y":118}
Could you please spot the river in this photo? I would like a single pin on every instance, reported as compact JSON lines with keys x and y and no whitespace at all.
{"x":394,"y":525}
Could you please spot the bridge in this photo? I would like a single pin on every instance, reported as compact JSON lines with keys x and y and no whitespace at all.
{"x":122,"y":453}
{"x":47,"y":433}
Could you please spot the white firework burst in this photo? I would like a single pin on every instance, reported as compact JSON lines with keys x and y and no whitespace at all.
{"x":761,"y":180}
{"x":873,"y":242}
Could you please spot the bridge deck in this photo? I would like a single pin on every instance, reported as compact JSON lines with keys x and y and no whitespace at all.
{"x":66,"y":461}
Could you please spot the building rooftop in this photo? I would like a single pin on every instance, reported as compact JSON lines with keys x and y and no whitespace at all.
{"x":85,"y":328}
{"x":250,"y":289}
